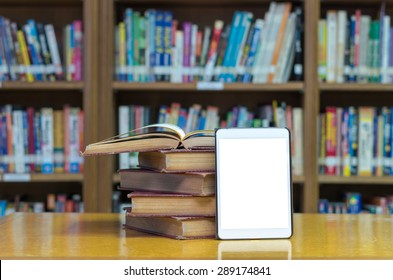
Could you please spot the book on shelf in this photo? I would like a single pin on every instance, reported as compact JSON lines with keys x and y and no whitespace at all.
{"x":166,"y":204}
{"x":31,"y":52}
{"x":194,"y":183}
{"x":355,"y":141}
{"x":151,"y":138}
{"x":40,"y":140}
{"x":355,"y":47}
{"x":178,"y":160}
{"x":174,"y":227}
{"x":247,"y":49}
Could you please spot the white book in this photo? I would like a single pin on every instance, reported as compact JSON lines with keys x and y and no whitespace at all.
{"x":124,"y":127}
{"x":385,"y":41}
{"x":177,"y":58}
{"x":259,"y":68}
{"x":297,"y":163}
{"x":53,"y":49}
{"x":331,"y":20}
{"x":18,"y":141}
{"x":47,"y":140}
{"x":73,"y":123}
{"x":341,"y":36}
{"x":366,"y":141}
{"x":287,"y":44}
{"x":364,"y":33}
{"x":267,"y":56}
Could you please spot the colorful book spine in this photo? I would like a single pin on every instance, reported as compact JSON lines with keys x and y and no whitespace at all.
{"x":187,"y":29}
{"x":47,"y":140}
{"x":129,"y":43}
{"x":54,"y":50}
{"x":25,"y":56}
{"x":58,"y":141}
{"x":366,"y":141}
{"x":77,"y":59}
{"x":353,"y":139}
{"x":167,"y":56}
{"x":346,"y":158}
{"x":298,"y":59}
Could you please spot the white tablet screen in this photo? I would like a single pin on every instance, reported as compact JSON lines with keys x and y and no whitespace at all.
{"x":253,"y":177}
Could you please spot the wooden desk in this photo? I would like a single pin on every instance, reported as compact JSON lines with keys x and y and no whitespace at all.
{"x":100,"y":236}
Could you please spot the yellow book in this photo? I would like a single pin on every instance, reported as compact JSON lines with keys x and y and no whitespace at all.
{"x":58,"y":141}
{"x":122,"y":47}
{"x":25,"y":55}
{"x":322,"y":50}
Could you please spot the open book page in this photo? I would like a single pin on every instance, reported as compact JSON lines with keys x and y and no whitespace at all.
{"x":151,"y":137}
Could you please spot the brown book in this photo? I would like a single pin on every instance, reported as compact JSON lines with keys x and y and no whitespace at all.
{"x":164,"y":204}
{"x":174,"y":227}
{"x":151,"y":138}
{"x":178,"y":160}
{"x":186,"y":183}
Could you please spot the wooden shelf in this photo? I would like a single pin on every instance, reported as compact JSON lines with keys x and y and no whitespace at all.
{"x":59,"y":85}
{"x":291,"y":86}
{"x":38,"y":177}
{"x":355,"y":87}
{"x":385,"y":180}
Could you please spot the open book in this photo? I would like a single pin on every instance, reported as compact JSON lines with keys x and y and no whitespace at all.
{"x":151,"y":138}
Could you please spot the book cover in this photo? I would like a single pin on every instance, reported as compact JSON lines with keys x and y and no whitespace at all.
{"x":164,"y":204}
{"x":178,"y":160}
{"x":194,"y":183}
{"x":174,"y":227}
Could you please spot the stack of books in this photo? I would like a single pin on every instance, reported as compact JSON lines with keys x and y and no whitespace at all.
{"x":172,"y":194}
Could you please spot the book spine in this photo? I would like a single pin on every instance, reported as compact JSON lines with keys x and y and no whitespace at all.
{"x":37,"y":49}
{"x":205,"y":45}
{"x":78,"y":37}
{"x":386,"y":140}
{"x":353,"y":140}
{"x":30,"y":130}
{"x":18,"y":140}
{"x":46,"y":57}
{"x":129,"y":43}
{"x":322,"y":143}
{"x":19,"y":59}
{"x":74,"y":140}
{"x":37,"y":142}
{"x":67,"y":113}
{"x":58,"y":141}
{"x":352,"y":75}
{"x":187,"y":30}
{"x":339,"y":113}
{"x":122,"y":52}
{"x":6,"y":46}
{"x":142,"y":48}
{"x":151,"y":18}
{"x":341,"y":29}
{"x":331,"y":129}
{"x":298,"y":56}
{"x":390,"y":68}
{"x":347,"y":52}
{"x":168,"y":18}
{"x":124,"y":118}
{"x":363,"y":49}
{"x":346,"y":161}
{"x":159,"y":42}
{"x":212,"y":54}
{"x":81,"y":132}
{"x":33,"y":53}
{"x":47,"y":140}
{"x":25,"y":56}
{"x":366,"y":141}
{"x":331,"y":46}
{"x":177,"y":58}
{"x":254,"y":45}
{"x":54,"y":50}
{"x":297,"y":113}
{"x":358,"y":15}
{"x":136,"y":39}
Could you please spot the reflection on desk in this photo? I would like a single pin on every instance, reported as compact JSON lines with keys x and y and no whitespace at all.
{"x":101,"y":236}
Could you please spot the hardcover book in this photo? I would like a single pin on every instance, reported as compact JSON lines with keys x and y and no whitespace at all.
{"x":151,"y":138}
{"x":178,"y":160}
{"x":164,"y":204}
{"x":187,"y":183}
{"x":174,"y":227}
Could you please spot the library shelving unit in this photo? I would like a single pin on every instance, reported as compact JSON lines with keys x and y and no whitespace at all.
{"x":56,"y":94}
{"x":353,"y":94}
{"x":295,"y":93}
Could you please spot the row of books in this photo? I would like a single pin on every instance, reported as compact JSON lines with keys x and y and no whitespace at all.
{"x":355,"y":48}
{"x":54,"y":203}
{"x":30,"y":52}
{"x":154,"y":46}
{"x":356,"y":141}
{"x":354,"y":204}
{"x":196,"y":117}
{"x":43,"y":140}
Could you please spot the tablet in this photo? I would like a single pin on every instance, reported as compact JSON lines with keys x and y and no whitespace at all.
{"x":254,"y":184}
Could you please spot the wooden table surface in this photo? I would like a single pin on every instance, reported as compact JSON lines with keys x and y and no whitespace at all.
{"x":101,"y":236}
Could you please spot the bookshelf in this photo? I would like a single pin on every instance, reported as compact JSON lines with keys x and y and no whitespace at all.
{"x":55,"y":95}
{"x":100,"y":94}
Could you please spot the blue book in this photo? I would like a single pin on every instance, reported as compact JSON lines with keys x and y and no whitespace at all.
{"x":151,"y":18}
{"x":375,"y":141}
{"x":254,"y":45}
{"x":387,"y":148}
{"x":352,"y":28}
{"x":129,"y":43}
{"x":237,"y":18}
{"x":3,"y":141}
{"x":353,"y":140}
{"x":3,"y":207}
{"x":33,"y":52}
{"x":159,"y":42}
{"x":37,"y":140}
{"x":26,"y":141}
{"x":34,"y":34}
{"x":168,"y":17}
{"x":239,"y":42}
{"x":7,"y":55}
